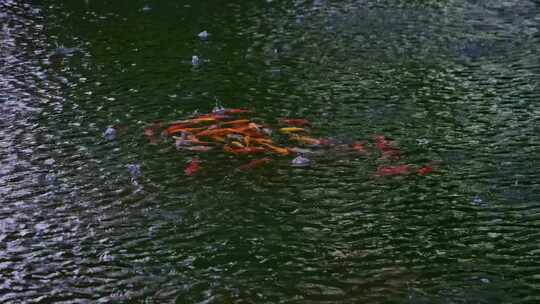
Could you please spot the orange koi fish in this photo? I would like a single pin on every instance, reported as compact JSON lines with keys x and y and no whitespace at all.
{"x":393,"y":170}
{"x":278,"y":150}
{"x":236,"y":111}
{"x":297,"y":122}
{"x":193,"y":167}
{"x":236,"y":122}
{"x":216,"y":132}
{"x":255,"y":164}
{"x":262,"y":141}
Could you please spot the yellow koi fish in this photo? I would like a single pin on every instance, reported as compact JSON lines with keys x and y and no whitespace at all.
{"x":291,"y":130}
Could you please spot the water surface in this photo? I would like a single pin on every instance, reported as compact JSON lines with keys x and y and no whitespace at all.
{"x":454,"y":82}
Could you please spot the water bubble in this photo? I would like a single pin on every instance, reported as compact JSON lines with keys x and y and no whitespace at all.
{"x":134,"y":171}
{"x":485,"y":280}
{"x":477,"y":200}
{"x":300,"y":161}
{"x":146,"y":8}
{"x":195,"y":60}
{"x":203,"y":35}
{"x":110,"y":133}
{"x":49,"y":162}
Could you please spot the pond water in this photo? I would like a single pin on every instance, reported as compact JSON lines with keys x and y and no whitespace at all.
{"x":455,"y":83}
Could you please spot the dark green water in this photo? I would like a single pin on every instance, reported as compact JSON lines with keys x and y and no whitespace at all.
{"x":456,"y":83}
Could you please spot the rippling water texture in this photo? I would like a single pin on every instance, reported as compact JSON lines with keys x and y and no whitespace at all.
{"x":455,"y":82}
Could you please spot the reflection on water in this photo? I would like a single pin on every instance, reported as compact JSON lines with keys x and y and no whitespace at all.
{"x":454,"y":82}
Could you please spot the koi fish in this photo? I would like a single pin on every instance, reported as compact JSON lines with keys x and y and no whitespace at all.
{"x":236,"y":111}
{"x":383,"y":144}
{"x":193,"y":167}
{"x":215,"y":116}
{"x":359,"y":147}
{"x":237,"y":144}
{"x":150,"y":132}
{"x":291,"y":130}
{"x":393,"y":170}
{"x":425,"y":170}
{"x":297,"y":122}
{"x":261,"y":141}
{"x":255,"y":164}
{"x":391,"y":154}
{"x":198,"y":148}
{"x":278,"y":150}
{"x":306,"y":140}
{"x":175,"y":129}
{"x":247,"y":140}
{"x":387,"y":147}
{"x":217,"y":138}
{"x":236,"y":122}
{"x":216,"y":132}
{"x":300,"y":150}
{"x":244,"y":150}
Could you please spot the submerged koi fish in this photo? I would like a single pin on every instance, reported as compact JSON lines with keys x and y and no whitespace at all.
{"x":383,"y":144}
{"x":291,"y":130}
{"x":300,"y":150}
{"x":306,"y":140}
{"x":198,"y":148}
{"x":393,"y":170}
{"x":244,"y":150}
{"x":297,"y":122}
{"x":193,"y":167}
{"x":359,"y":147}
{"x":425,"y":170}
{"x":255,"y":164}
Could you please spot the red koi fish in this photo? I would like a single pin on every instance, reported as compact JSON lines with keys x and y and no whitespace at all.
{"x":425,"y":170}
{"x":297,"y":122}
{"x":193,"y":167}
{"x":244,"y":150}
{"x":393,"y":170}
{"x":255,"y":164}
{"x":359,"y":147}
